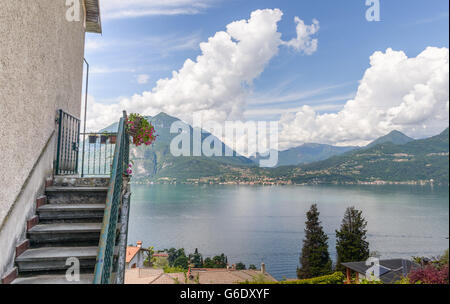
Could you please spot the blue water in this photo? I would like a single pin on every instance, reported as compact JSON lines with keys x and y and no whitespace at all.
{"x":252,"y":224}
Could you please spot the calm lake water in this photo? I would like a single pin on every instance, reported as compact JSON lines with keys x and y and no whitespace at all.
{"x":262,"y":223}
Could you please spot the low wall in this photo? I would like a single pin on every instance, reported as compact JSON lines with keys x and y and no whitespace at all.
{"x":13,"y":229}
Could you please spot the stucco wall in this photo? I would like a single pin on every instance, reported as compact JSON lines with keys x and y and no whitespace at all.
{"x":41,"y":71}
{"x":14,"y":228}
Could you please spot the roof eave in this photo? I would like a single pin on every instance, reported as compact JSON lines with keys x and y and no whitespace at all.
{"x":93,"y":17}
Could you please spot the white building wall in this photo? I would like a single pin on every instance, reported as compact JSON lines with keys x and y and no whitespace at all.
{"x":41,"y":71}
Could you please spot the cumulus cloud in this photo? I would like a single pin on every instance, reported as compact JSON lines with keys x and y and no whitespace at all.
{"x":216,"y":83}
{"x":396,"y":93}
{"x":304,"y":41}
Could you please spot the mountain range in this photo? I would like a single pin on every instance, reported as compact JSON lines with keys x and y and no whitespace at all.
{"x":423,"y":160}
{"x":394,"y":157}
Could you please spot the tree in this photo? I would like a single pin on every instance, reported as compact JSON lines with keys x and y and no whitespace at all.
{"x":219,"y":261}
{"x":351,"y":244}
{"x":181,"y":262}
{"x":314,"y":260}
{"x":174,"y":254}
{"x":240,"y":266}
{"x":252,"y":267}
{"x":196,"y":259}
{"x":208,"y":263}
{"x":149,"y":258}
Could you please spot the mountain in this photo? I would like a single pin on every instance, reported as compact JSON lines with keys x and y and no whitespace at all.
{"x":418,"y":160}
{"x":395,"y":137}
{"x":306,"y":153}
{"x":157,"y":162}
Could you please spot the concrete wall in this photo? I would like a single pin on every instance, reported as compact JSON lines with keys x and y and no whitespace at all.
{"x":41,"y":71}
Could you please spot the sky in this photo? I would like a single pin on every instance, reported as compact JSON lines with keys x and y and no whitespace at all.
{"x":319,"y":68}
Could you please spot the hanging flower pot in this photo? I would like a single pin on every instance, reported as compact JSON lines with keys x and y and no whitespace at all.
{"x":112,"y":139}
{"x":92,"y":139}
{"x":103,"y":139}
{"x":140,"y":129}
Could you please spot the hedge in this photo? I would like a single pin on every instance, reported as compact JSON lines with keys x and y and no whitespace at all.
{"x":335,"y":278}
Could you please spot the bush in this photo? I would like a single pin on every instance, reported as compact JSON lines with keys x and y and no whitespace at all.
{"x":181,"y":262}
{"x":335,"y":278}
{"x":173,"y":269}
{"x":240,"y":266}
{"x":430,"y":274}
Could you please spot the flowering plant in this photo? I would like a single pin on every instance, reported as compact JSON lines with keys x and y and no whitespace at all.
{"x":140,"y":129}
{"x":430,"y":274}
{"x":129,"y":170}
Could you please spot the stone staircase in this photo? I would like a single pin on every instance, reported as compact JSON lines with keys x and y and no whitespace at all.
{"x":67,"y":225}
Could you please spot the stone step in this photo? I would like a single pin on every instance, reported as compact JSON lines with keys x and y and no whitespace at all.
{"x":76,"y":181}
{"x":71,"y":234}
{"x":54,"y":259}
{"x":76,"y":195}
{"x":53,"y":213}
{"x":53,"y":279}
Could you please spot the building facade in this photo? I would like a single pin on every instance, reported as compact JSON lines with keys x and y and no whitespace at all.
{"x":41,"y":71}
{"x":135,"y":256}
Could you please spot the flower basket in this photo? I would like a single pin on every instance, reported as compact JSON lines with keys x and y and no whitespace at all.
{"x":140,"y":129}
{"x":92,"y":139}
{"x":112,"y":139}
{"x":103,"y":139}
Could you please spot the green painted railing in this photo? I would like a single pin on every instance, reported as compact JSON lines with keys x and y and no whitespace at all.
{"x":106,"y":261}
{"x":66,"y":162}
{"x":97,"y":151}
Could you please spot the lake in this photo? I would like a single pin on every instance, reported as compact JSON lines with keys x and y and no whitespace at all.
{"x":252,"y":224}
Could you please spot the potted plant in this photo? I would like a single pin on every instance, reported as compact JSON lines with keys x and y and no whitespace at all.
{"x":113,"y":139}
{"x":140,"y":129}
{"x":103,"y":138}
{"x":92,"y":138}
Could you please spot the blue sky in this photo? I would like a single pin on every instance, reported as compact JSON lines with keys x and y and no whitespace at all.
{"x":159,"y":42}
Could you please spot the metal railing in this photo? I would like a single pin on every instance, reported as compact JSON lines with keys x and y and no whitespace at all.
{"x":106,"y":263}
{"x":97,"y":153}
{"x":66,"y":162}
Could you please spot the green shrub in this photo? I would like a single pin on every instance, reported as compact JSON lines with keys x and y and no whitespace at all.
{"x":335,"y":278}
{"x":173,"y":269}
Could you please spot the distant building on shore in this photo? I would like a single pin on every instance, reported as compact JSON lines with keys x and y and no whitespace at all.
{"x":135,"y":256}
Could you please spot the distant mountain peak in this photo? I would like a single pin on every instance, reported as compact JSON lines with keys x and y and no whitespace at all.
{"x":396,"y":132}
{"x":396,"y":137}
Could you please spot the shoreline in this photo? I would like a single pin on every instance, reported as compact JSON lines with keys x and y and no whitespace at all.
{"x":359,"y":183}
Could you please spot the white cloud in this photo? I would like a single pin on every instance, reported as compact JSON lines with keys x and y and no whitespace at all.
{"x":108,"y":70}
{"x":407,"y":94}
{"x":275,"y":96}
{"x":119,"y":9}
{"x":156,"y":44}
{"x":332,"y":103}
{"x":217,"y":82}
{"x":304,"y":42}
{"x":142,"y":78}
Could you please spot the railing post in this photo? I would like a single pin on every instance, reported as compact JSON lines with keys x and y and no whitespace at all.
{"x":58,"y":147}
